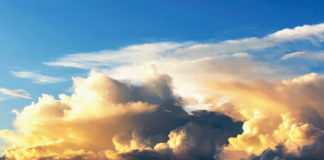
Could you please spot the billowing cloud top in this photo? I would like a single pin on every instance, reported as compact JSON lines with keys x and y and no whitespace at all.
{"x":106,"y":118}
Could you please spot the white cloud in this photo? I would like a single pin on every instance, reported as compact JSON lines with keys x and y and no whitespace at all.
{"x":300,"y":32}
{"x":306,"y":32}
{"x":38,"y":78}
{"x":16,"y":93}
{"x":132,"y":54}
{"x":139,"y":54}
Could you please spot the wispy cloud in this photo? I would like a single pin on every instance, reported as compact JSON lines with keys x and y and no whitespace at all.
{"x":38,"y":78}
{"x":137,"y":54}
{"x":291,"y":55}
{"x":130,"y":54}
{"x":306,"y":32}
{"x":16,"y":93}
{"x":315,"y":56}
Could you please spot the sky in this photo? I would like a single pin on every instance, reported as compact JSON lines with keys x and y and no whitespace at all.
{"x":64,"y":62}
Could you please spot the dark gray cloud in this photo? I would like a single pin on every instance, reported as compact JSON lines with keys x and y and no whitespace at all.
{"x":207,"y":130}
{"x":154,"y":91}
{"x":146,"y":155}
{"x":310,"y":115}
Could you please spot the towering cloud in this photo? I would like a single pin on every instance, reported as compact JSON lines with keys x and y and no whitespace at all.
{"x":109,"y":119}
{"x":288,"y":113}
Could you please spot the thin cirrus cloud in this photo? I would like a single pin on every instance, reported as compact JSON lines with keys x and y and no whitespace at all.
{"x":155,"y":51}
{"x":316,"y":56}
{"x":127,"y":55}
{"x":16,"y":93}
{"x":292,"y":55}
{"x":38,"y":78}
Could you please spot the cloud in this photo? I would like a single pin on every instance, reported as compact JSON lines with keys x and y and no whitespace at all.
{"x":187,"y":62}
{"x":287,"y":113}
{"x":312,"y":151}
{"x":110,"y":119}
{"x":300,"y":32}
{"x":187,"y":74}
{"x":291,"y":55}
{"x":107,"y":118}
{"x":241,"y":54}
{"x":306,"y":32}
{"x":141,"y":54}
{"x":133,"y":106}
{"x":131,"y":54}
{"x":16,"y":93}
{"x":37,"y":78}
{"x":313,"y":56}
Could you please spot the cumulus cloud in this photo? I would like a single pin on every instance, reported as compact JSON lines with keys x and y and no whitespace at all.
{"x":312,"y":151}
{"x":38,"y":78}
{"x":287,"y":113}
{"x":87,"y":121}
{"x":16,"y":93}
{"x":109,"y":119}
{"x":117,"y":120}
{"x":300,"y":32}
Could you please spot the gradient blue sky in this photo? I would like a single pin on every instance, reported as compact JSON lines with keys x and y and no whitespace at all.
{"x":35,"y":32}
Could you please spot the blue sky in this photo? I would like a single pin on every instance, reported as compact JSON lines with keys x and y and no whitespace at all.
{"x":39,"y":40}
